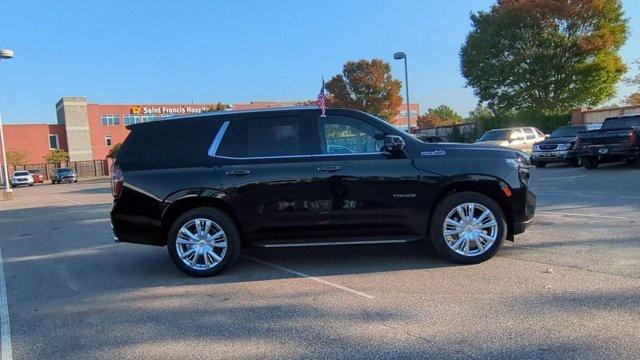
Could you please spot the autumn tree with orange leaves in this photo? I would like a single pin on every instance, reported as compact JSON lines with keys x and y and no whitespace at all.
{"x":545,"y":56}
{"x":634,"y":99}
{"x":367,"y":86}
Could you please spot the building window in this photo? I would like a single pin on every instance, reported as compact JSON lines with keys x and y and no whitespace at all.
{"x":147,"y":118}
{"x":110,"y":120}
{"x":107,"y":140}
{"x":53,"y":141}
{"x":131,"y":119}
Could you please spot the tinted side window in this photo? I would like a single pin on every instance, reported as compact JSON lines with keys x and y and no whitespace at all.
{"x":168,"y":144}
{"x":528,"y":132}
{"x":347,"y":135}
{"x":265,"y":137}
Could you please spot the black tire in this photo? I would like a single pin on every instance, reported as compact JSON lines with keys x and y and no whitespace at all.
{"x":590,"y":163}
{"x":539,"y":164}
{"x":574,"y":163}
{"x":451,"y":202}
{"x":30,"y":184}
{"x":226,"y":224}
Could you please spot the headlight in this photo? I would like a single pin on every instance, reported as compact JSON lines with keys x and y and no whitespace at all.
{"x":564,"y":146}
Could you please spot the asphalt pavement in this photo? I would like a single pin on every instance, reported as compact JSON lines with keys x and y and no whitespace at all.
{"x":567,"y":288}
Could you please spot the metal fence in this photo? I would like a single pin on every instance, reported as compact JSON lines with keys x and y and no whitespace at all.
{"x":84,"y":169}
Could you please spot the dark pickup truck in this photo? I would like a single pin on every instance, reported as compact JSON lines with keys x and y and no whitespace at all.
{"x":618,"y":139}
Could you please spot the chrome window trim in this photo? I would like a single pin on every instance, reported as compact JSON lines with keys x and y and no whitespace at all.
{"x":218,"y":139}
{"x":291,"y":156}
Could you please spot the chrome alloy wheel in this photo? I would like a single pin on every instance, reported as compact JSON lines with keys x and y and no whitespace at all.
{"x":201,"y":244}
{"x":470,"y":229}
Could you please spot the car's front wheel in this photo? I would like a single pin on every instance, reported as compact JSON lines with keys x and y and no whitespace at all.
{"x":590,"y":162}
{"x":468,"y":227}
{"x":203,"y":241}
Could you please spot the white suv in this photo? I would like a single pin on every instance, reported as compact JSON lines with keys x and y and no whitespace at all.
{"x":21,"y":178}
{"x":521,"y":138}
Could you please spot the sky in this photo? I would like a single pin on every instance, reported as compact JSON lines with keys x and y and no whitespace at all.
{"x":230,"y":51}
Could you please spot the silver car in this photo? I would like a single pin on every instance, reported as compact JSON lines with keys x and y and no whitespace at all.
{"x":64,"y":175}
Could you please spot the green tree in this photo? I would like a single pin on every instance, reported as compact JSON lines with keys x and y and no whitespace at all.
{"x":17,"y":157}
{"x":634,"y":99}
{"x":57,"y":156}
{"x":113,"y":152}
{"x":439,"y":116}
{"x":545,"y":56}
{"x":482,"y":116}
{"x":367,"y":86}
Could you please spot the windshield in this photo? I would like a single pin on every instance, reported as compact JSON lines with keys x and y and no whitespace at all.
{"x":63,"y":170}
{"x":35,"y":172}
{"x":496,"y":135}
{"x":617,"y":123}
{"x":21,"y":173}
{"x":567,"y":131}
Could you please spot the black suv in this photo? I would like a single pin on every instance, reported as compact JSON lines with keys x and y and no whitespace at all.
{"x":559,"y":147}
{"x":205,"y":184}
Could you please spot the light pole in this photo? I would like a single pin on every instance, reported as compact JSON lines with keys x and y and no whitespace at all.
{"x":399,"y":56}
{"x":7,"y":194}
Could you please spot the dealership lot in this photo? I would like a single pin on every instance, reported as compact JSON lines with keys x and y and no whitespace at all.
{"x":569,"y":286}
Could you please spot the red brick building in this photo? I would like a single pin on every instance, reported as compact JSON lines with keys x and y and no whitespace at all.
{"x":87,"y":130}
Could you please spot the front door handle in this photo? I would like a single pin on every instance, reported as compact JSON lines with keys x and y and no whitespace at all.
{"x":238,"y":172}
{"x":330,"y":168}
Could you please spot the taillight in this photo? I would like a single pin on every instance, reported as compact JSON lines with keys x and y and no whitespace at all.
{"x":633,"y":138}
{"x":116,"y":180}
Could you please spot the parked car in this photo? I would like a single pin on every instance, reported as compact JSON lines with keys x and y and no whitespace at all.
{"x":204,"y":184}
{"x":21,"y":178}
{"x":559,"y":147}
{"x":37,"y":176}
{"x":521,"y":138}
{"x":617,"y":139}
{"x":64,"y":175}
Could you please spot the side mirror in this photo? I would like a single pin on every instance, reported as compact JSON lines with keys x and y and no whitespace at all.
{"x":394,"y":144}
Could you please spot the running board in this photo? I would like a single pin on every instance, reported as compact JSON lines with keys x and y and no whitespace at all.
{"x":331,"y":243}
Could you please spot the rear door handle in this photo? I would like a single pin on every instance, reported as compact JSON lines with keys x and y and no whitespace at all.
{"x":238,"y":172}
{"x":330,"y":168}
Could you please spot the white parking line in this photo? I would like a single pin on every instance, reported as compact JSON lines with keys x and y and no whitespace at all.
{"x":59,"y":197}
{"x":81,"y":252}
{"x":543,"y":212}
{"x":337,"y":286}
{"x":5,"y":336}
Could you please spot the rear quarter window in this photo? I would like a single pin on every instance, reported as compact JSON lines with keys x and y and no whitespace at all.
{"x":168,"y":143}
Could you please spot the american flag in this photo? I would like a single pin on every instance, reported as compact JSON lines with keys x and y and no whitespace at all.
{"x":321,"y":100}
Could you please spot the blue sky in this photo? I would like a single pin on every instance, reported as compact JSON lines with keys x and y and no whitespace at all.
{"x":229,"y":51}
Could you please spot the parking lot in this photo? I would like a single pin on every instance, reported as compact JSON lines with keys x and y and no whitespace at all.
{"x":569,"y":287}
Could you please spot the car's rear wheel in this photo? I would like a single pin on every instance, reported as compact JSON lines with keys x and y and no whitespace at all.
{"x":590,"y":162}
{"x":203,"y":242}
{"x":468,"y":227}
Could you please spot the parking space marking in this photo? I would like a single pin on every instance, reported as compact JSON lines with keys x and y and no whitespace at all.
{"x":80,"y":252}
{"x":590,"y":196}
{"x":59,"y":197}
{"x":5,"y":330}
{"x":303,"y":275}
{"x":543,"y":212}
